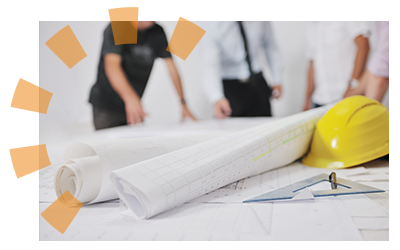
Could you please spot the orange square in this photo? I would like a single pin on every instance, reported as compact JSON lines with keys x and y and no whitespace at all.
{"x":31,"y":97}
{"x":67,"y":47}
{"x":185,"y":38}
{"x":124,"y":32}
{"x":61,"y":213}
{"x":27,"y":160}
{"x":124,"y":24}
{"x":124,"y":14}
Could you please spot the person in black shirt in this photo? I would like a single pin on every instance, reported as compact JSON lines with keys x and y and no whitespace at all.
{"x":123,"y":73}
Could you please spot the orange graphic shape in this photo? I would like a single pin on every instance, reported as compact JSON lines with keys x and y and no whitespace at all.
{"x":124,"y":14}
{"x":29,"y":159}
{"x":125,"y":32}
{"x":67,"y":47}
{"x":185,"y":38}
{"x":31,"y":97}
{"x":61,"y":212}
{"x":124,"y":24}
{"x":181,"y":18}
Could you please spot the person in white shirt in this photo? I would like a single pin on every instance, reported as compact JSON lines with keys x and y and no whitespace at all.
{"x":337,"y":52}
{"x":233,"y":81}
{"x":374,"y":81}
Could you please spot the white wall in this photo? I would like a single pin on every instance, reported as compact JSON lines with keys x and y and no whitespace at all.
{"x":68,"y":107}
{"x":70,"y":112}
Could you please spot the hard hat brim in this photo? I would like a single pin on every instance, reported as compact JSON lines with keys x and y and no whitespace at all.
{"x":318,"y":162}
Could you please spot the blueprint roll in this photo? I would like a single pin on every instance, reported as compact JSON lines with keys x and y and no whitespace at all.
{"x":87,"y":166}
{"x":153,"y":186}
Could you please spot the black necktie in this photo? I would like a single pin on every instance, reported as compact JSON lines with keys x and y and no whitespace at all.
{"x":246,"y":49}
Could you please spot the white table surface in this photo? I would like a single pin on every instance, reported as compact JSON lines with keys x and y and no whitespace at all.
{"x":56,"y":150}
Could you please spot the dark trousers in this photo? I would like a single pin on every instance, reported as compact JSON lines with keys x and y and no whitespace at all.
{"x":250,"y":98}
{"x":316,"y":105}
{"x":103,"y":118}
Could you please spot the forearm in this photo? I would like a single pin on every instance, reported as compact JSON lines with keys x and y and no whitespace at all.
{"x":361,"y":56}
{"x":119,"y":82}
{"x":175,"y":78}
{"x":310,"y":81}
{"x":359,"y":64}
{"x":377,"y":87}
{"x":177,"y":83}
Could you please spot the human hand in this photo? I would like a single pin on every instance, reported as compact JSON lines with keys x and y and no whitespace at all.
{"x":307,"y":105}
{"x":277,"y":91}
{"x":186,"y":113}
{"x":349,"y":92}
{"x":222,"y":108}
{"x":134,"y":111}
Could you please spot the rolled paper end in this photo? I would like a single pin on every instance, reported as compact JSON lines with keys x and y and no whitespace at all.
{"x":76,"y":177}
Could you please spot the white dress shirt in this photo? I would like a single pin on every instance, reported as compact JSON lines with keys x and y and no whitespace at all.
{"x":332,"y":49}
{"x":224,"y":55}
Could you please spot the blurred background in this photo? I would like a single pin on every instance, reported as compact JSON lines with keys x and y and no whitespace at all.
{"x":70,"y":114}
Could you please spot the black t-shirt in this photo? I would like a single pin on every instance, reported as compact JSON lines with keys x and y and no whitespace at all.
{"x":137,"y":62}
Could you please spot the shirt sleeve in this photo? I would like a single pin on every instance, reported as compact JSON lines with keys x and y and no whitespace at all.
{"x":379,"y":63}
{"x":162,"y":44}
{"x":356,"y":29}
{"x":272,"y":53}
{"x":109,"y":43}
{"x":211,"y":66}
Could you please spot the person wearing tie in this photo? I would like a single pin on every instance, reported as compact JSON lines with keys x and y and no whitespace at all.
{"x":231,"y":51}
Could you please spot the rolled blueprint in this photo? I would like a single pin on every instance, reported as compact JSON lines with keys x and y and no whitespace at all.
{"x":156,"y":185}
{"x":85,"y":173}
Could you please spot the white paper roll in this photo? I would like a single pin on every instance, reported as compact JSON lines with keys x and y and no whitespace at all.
{"x":161,"y":183}
{"x":85,"y":173}
{"x":82,"y":177}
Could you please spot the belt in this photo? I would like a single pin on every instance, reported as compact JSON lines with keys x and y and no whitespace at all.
{"x":247,"y":80}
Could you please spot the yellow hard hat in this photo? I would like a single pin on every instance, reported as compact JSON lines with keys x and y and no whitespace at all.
{"x":354,"y":131}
